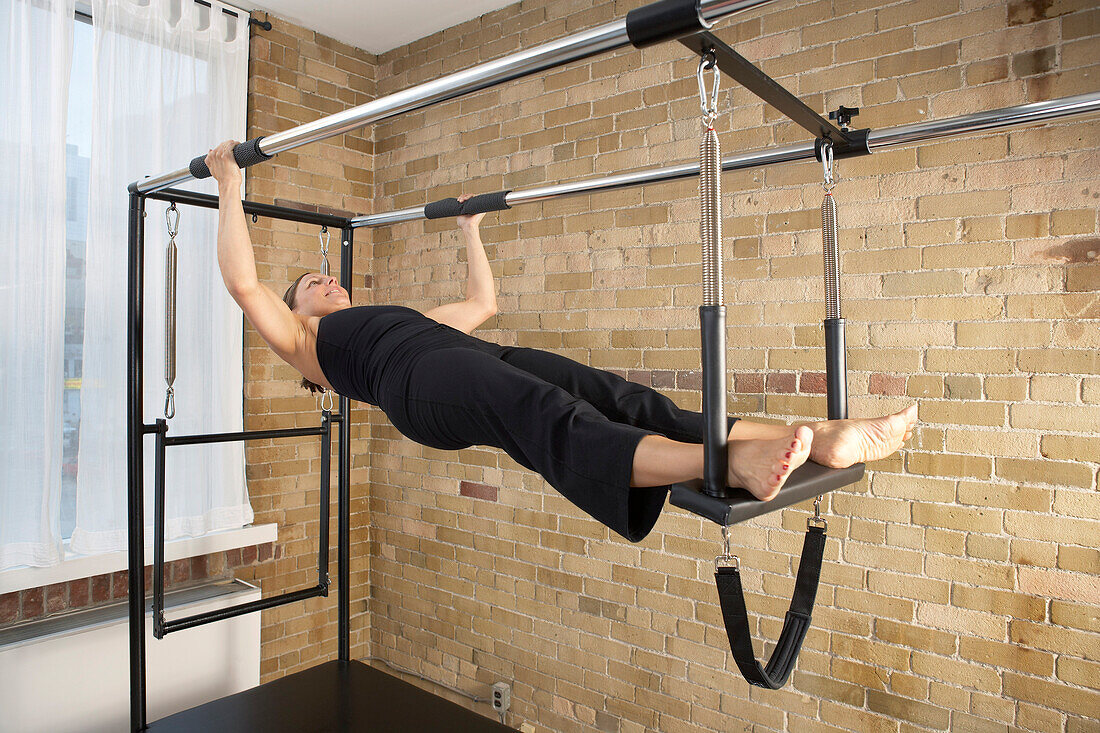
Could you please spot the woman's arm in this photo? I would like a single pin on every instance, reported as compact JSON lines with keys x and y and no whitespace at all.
{"x":481,"y":298}
{"x":265,"y":310}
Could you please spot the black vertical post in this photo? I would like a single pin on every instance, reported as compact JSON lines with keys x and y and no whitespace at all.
{"x":712,"y":322}
{"x":326,"y":460}
{"x":344,"y":477}
{"x":158,"y":530}
{"x":836,"y":369}
{"x":134,"y":461}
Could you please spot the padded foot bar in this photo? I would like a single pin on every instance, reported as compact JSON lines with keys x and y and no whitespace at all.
{"x":806,"y":482}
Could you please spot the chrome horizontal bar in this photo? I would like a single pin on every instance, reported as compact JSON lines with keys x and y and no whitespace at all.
{"x":903,"y":135}
{"x":578,"y":46}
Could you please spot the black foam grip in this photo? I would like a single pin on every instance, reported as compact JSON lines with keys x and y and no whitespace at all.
{"x":662,"y":21}
{"x":246,"y":154}
{"x":481,"y":204}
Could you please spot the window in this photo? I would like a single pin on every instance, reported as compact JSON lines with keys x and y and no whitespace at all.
{"x":78,"y":150}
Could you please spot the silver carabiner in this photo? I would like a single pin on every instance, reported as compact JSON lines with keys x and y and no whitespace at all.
{"x":326,"y":401}
{"x":173,"y":224}
{"x":727,"y":559}
{"x":817,"y":520}
{"x":708,"y":107}
{"x":324,"y":236}
{"x":827,"y":165}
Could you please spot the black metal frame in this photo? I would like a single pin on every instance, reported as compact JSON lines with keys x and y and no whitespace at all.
{"x":845,"y":142}
{"x":137,"y":429}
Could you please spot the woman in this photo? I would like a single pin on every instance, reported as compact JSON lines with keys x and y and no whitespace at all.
{"x":608,"y":445}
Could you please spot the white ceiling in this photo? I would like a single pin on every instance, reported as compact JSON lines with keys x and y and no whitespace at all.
{"x":374,"y":25}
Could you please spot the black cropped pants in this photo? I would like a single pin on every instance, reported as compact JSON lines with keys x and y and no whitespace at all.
{"x":575,"y":425}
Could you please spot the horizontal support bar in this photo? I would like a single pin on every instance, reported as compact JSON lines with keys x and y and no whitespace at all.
{"x":263,"y":604}
{"x":1027,"y":114}
{"x":245,"y":435}
{"x":743,"y":71}
{"x":284,"y":213}
{"x":582,"y":45}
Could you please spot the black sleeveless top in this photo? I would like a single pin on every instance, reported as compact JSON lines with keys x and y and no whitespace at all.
{"x":366,"y":352}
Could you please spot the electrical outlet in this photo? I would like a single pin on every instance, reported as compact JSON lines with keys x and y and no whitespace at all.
{"x":502,"y":697}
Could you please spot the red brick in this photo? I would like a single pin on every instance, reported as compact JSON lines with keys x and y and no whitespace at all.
{"x":692,"y":380}
{"x":748,"y":383}
{"x":812,"y":383}
{"x":886,"y":384}
{"x":101,"y":588}
{"x":9,"y":608}
{"x":57,"y":597}
{"x":781,"y":383}
{"x":477,"y":491}
{"x":79,"y":593}
{"x":664,"y":379}
{"x":249,"y":555}
{"x":119,"y":587}
{"x":33,"y":603}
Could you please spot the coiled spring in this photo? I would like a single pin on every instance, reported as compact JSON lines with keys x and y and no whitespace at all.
{"x":710,"y":186}
{"x":710,"y":194}
{"x":172,"y":219}
{"x":829,"y":238}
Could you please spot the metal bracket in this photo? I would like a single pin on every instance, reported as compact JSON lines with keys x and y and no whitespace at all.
{"x":743,"y":71}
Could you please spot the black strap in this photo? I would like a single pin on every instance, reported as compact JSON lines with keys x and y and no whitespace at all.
{"x":480,"y":204}
{"x":797,"y":623}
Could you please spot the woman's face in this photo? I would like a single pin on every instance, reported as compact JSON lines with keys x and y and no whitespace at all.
{"x":319,"y":295}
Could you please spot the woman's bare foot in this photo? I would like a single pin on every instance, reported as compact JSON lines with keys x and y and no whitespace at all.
{"x":840,"y":443}
{"x":762,"y":466}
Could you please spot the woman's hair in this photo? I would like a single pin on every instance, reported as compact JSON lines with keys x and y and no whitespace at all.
{"x":289,"y":298}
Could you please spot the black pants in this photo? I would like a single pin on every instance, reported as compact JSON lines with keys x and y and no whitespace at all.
{"x":575,"y":425}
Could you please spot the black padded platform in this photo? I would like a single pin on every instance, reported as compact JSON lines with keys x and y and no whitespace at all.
{"x":334,"y":697}
{"x":807,"y":481}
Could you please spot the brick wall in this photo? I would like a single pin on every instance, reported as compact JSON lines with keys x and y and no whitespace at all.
{"x":960,"y":586}
{"x":297,"y":76}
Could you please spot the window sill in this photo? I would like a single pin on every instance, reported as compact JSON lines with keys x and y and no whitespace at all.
{"x":74,"y":567}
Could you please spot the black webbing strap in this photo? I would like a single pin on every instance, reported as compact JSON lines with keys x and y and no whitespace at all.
{"x":480,"y":204}
{"x":797,"y":623}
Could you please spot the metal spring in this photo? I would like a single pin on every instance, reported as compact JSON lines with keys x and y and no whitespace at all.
{"x":710,"y":194}
{"x":170,"y":314}
{"x":832,"y":256}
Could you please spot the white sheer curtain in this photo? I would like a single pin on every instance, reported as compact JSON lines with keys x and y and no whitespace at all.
{"x":170,"y":82}
{"x":36,"y":36}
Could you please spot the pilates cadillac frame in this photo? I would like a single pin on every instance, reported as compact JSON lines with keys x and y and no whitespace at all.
{"x":344,"y":694}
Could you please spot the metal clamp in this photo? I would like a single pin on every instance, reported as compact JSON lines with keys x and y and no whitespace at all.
{"x":727,"y":559}
{"x":709,"y":107}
